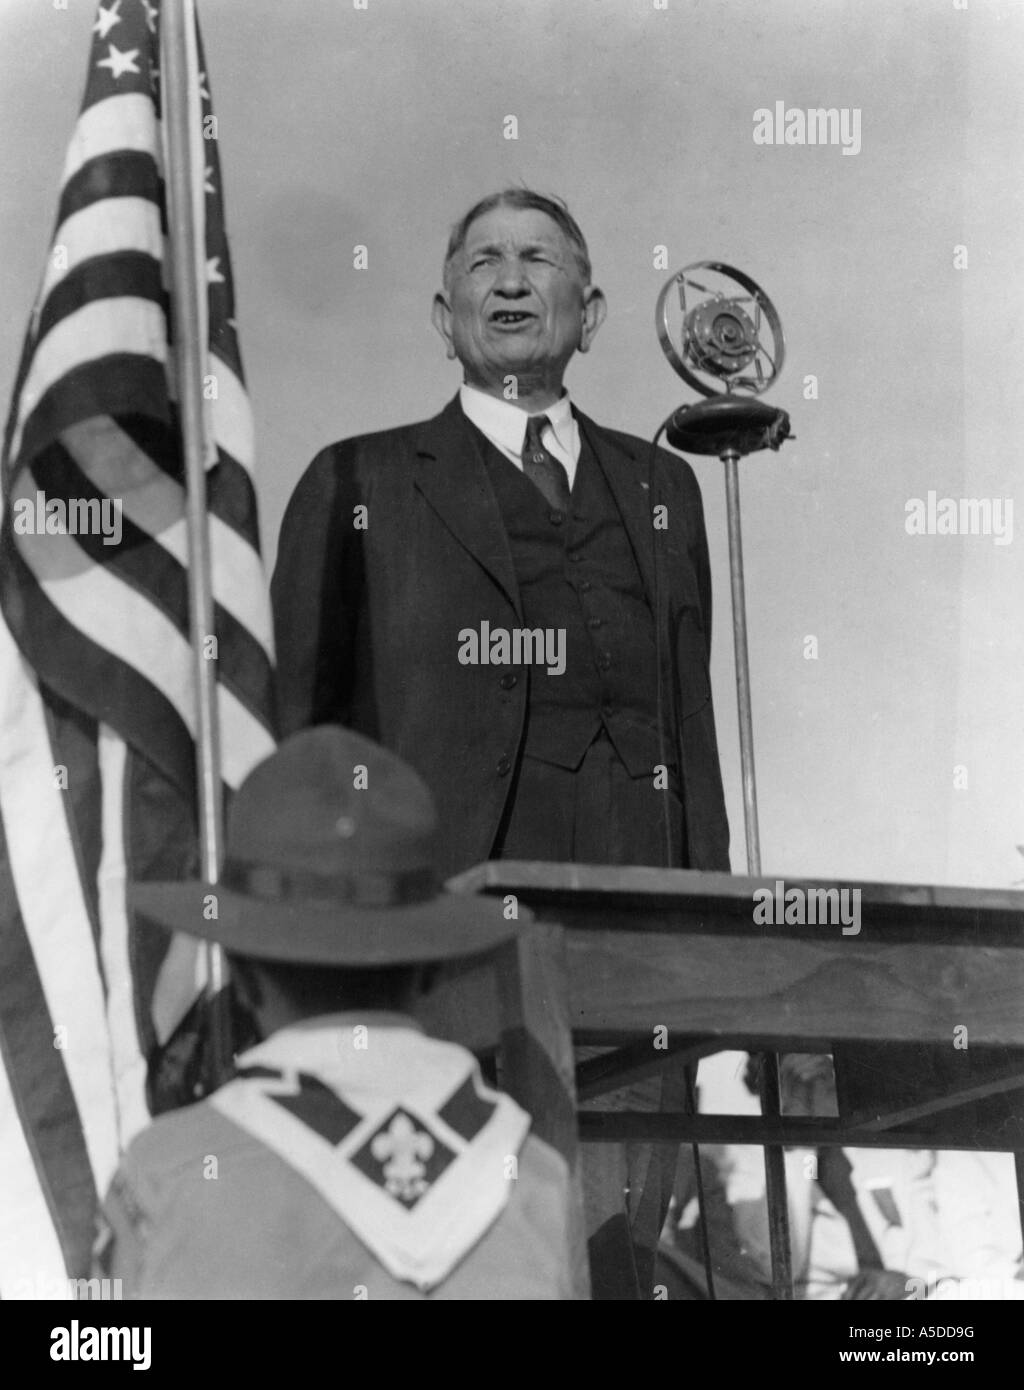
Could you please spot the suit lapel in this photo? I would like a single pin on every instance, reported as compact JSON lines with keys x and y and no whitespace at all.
{"x":452,"y":476}
{"x":627,"y":478}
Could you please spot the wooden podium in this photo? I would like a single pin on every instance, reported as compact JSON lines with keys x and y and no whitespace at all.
{"x":922,"y":1008}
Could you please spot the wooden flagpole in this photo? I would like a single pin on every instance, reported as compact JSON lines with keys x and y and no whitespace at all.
{"x":183,"y":181}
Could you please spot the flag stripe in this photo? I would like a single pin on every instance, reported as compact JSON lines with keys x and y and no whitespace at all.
{"x":125,"y":326}
{"x":232,"y":417}
{"x":77,"y":669}
{"x":69,"y":990}
{"x":32,"y":1259}
{"x":151,"y":569}
{"x":127,"y":1060}
{"x":114,"y":385}
{"x":123,"y":122}
{"x":97,"y":281}
{"x":154,"y":505}
{"x":94,"y":234}
{"x":161,"y":843}
{"x":143,"y":639}
{"x":73,"y":740}
{"x":229,"y":488}
{"x":99,"y":188}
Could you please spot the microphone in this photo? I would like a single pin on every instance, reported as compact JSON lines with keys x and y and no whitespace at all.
{"x":724,"y":351}
{"x":722,"y":334}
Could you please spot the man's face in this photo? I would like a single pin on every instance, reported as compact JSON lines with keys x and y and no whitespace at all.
{"x":516,"y":304}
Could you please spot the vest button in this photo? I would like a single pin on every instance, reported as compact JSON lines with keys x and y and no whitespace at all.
{"x":504,"y":766}
{"x":576,"y":556}
{"x":508,"y":681}
{"x":556,"y":518}
{"x":604,"y":661}
{"x":585,"y":586}
{"x":538,"y":458}
{"x":595,"y":622}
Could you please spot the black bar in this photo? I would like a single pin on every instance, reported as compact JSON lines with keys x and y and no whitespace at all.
{"x":775,"y":1183}
{"x":629,"y":1126}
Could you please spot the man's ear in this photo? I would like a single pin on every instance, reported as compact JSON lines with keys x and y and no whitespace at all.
{"x":441,"y":318}
{"x":594,"y":310}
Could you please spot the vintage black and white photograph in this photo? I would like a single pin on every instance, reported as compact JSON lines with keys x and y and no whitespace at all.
{"x":511,"y":660}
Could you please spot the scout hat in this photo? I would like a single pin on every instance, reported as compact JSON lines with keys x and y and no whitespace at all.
{"x":330,"y":859}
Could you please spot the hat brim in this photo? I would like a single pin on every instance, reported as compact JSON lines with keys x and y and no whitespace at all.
{"x":447,"y":927}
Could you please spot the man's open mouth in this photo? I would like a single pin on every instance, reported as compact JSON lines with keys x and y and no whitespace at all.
{"x":510,"y":318}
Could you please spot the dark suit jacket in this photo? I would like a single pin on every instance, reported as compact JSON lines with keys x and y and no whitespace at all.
{"x":367,"y":619}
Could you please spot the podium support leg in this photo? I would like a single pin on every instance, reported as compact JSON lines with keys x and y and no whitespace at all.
{"x":535,"y":1059}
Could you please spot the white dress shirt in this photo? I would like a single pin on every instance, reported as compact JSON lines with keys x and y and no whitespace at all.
{"x":504,"y":424}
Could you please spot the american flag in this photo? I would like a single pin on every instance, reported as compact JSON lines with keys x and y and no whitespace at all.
{"x":97,"y":707}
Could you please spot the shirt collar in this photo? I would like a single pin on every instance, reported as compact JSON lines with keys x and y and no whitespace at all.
{"x":308,"y":1040}
{"x":504,"y":423}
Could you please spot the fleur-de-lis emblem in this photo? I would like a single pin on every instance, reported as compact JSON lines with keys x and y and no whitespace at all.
{"x":401,"y":1150}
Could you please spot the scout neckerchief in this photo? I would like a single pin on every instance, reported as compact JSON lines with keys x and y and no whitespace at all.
{"x":396,"y":1131}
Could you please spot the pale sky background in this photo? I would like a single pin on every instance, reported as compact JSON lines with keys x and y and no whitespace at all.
{"x":379,"y":127}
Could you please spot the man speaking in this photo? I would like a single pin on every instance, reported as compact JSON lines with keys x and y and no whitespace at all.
{"x":478,"y":591}
{"x":517,"y":601}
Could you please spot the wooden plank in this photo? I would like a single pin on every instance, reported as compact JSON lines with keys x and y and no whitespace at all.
{"x":704,"y":984}
{"x":535,"y":1058}
{"x":625,"y":1126}
{"x":973,"y":1087}
{"x":648,"y":946}
{"x":1013,"y":1080}
{"x":754,"y":993}
{"x":598,"y":1075}
{"x":687,"y":893}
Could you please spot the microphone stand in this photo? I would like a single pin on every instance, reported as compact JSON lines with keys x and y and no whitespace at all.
{"x":732,"y":427}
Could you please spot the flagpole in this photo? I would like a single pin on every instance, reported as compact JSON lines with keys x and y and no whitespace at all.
{"x":179,"y":84}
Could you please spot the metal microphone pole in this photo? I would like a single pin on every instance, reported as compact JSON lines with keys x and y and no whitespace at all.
{"x":730,"y":459}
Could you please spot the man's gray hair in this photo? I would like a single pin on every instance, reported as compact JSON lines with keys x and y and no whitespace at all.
{"x":528,"y":200}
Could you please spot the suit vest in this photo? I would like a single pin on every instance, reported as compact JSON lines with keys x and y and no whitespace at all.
{"x":577,"y":576}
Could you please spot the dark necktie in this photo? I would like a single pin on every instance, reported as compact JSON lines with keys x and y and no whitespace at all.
{"x":542,"y":470}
